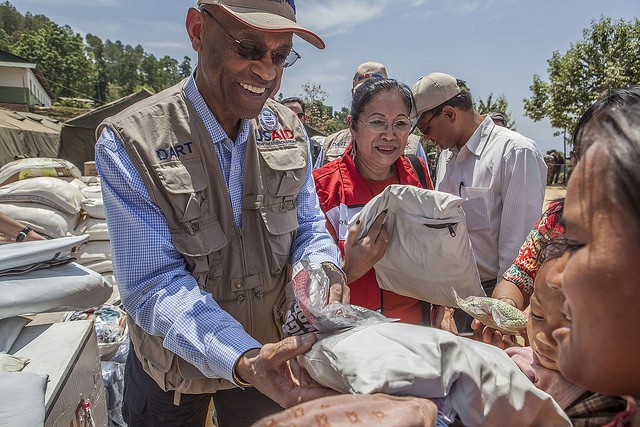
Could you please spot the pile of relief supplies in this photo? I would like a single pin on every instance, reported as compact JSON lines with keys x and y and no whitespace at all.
{"x":70,"y":273}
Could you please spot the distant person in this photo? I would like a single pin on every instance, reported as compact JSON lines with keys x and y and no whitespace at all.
{"x":558,"y":163}
{"x":498,"y":118}
{"x":296,"y":105}
{"x":499,"y":174}
{"x":549,"y":160}
{"x":15,"y":231}
{"x":335,"y":144}
{"x":379,"y":124}
{"x":210,"y":200}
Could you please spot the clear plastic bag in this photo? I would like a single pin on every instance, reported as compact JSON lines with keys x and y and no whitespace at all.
{"x":311,"y":311}
{"x":494,"y":313}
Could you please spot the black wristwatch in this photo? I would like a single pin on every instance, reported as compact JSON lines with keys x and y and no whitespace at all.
{"x":23,"y":234}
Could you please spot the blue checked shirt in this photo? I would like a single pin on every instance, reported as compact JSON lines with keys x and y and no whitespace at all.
{"x":155,"y":286}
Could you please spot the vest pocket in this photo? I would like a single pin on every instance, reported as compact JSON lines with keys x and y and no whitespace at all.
{"x":186,"y":183}
{"x":285,"y":175}
{"x":202,"y":250}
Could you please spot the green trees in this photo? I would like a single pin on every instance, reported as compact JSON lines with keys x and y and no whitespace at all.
{"x":606,"y":58}
{"x":60,"y":55}
{"x":90,"y":68}
{"x":492,"y":105}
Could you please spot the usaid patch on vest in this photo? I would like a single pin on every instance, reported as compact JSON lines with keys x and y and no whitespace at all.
{"x":270,"y":133}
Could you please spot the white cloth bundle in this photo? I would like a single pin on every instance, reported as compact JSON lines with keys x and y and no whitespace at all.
{"x":476,"y":381}
{"x":62,"y":288}
{"x":429,"y":252}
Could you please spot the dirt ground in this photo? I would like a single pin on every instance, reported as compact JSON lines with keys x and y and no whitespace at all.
{"x":553,"y":192}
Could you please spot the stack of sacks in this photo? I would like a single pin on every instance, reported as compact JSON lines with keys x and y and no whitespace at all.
{"x":60,"y":207}
{"x":50,"y":206}
{"x":96,"y":253}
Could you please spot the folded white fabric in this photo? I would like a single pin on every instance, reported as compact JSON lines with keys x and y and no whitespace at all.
{"x":429,"y":252}
{"x":23,"y":254}
{"x":476,"y":381}
{"x":62,"y":288}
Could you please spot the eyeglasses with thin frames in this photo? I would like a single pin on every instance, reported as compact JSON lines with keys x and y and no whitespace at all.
{"x":255,"y":50}
{"x":381,"y":126}
{"x":427,"y":127}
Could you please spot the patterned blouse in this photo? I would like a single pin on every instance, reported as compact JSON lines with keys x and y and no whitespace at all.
{"x":524,"y":268}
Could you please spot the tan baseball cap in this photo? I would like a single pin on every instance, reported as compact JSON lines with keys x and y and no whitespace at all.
{"x":368,"y":70}
{"x":276,"y":16}
{"x":432,"y":90}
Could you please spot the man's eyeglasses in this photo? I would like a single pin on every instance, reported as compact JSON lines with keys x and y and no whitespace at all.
{"x":427,"y":127}
{"x":381,"y":126}
{"x":300,"y":115}
{"x":255,"y":50}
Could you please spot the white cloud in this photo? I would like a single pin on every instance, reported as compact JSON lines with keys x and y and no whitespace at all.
{"x":339,"y":16}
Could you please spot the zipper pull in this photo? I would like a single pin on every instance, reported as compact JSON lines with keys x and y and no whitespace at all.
{"x":451,"y":230}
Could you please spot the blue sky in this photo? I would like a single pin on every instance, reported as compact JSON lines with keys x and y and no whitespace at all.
{"x":496,"y":46}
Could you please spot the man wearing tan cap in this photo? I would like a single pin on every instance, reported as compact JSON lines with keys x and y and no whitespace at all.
{"x":209,"y":198}
{"x":335,"y":144}
{"x":499,"y":173}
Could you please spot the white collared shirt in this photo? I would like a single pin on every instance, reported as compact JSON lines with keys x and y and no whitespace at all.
{"x":501,"y":176}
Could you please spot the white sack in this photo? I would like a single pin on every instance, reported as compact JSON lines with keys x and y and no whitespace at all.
{"x":48,"y":191}
{"x":96,"y":228}
{"x":37,"y":166}
{"x":94,"y":208}
{"x":477,"y":381}
{"x":23,"y":399}
{"x":429,"y":252}
{"x":41,"y":218}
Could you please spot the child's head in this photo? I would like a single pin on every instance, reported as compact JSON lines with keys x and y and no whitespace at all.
{"x":545,"y":316}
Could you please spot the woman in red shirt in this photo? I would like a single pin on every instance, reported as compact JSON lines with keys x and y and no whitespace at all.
{"x":380,"y":125}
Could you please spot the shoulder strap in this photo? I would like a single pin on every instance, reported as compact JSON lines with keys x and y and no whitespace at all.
{"x":417,"y":168}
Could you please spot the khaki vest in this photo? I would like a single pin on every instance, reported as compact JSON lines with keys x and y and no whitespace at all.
{"x":244,"y":270}
{"x":336,"y":143}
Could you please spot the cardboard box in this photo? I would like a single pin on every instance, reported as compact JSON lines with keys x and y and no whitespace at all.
{"x":90,"y":169}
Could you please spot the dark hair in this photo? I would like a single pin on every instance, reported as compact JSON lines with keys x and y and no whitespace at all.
{"x":618,"y":129}
{"x":615,"y":97}
{"x":366,"y":90}
{"x":293,"y":99}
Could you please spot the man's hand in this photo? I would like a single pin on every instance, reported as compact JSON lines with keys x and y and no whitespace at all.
{"x":275,"y":372}
{"x":361,"y":254}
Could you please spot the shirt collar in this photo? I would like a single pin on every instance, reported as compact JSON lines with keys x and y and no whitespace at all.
{"x":218,"y":135}
{"x":480,"y":137}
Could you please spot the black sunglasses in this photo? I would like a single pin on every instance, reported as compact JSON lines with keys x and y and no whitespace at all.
{"x":427,"y":126}
{"x":255,"y":50}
